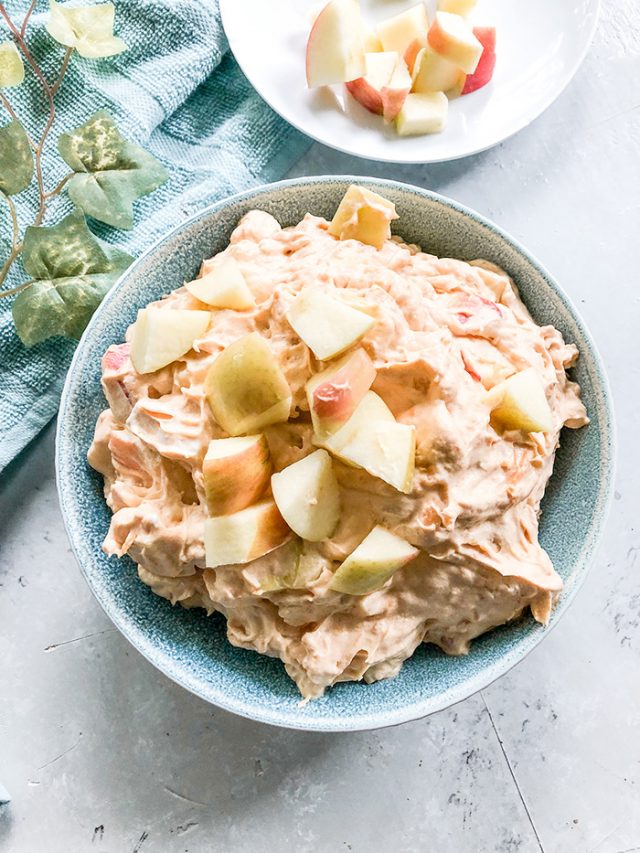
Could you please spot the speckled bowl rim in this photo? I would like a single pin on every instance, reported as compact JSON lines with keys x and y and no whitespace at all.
{"x":489,"y":673}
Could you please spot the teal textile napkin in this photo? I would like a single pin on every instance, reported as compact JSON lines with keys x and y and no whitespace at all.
{"x":179,"y":93}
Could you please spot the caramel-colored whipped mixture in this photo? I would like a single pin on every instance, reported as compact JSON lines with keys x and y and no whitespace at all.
{"x":446,"y":332}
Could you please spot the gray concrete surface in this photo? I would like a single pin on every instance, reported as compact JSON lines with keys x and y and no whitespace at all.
{"x":102,"y":753}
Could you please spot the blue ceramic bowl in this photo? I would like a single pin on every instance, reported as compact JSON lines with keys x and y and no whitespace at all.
{"x":191,"y":648}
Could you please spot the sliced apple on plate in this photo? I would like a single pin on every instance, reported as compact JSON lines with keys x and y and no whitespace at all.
{"x":246,"y":387}
{"x":244,"y":536}
{"x":519,"y":402}
{"x":335,"y":393}
{"x":326,"y":324}
{"x":385,"y":85}
{"x":160,"y":336}
{"x":484,"y":71}
{"x":223,"y":286}
{"x":373,"y":562}
{"x":452,"y":37}
{"x":423,"y":113}
{"x":405,"y":33}
{"x":308,"y":496}
{"x":236,"y":473}
{"x":372,"y":439}
{"x":434,"y":73}
{"x":457,"y":7}
{"x":363,"y":215}
{"x":335,"y":48}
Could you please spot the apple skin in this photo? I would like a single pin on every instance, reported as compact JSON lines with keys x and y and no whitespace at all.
{"x":335,"y":393}
{"x":484,"y":72}
{"x":244,"y":536}
{"x":451,"y":37}
{"x":236,"y":473}
{"x":395,"y":93}
{"x":367,"y":90}
{"x":335,"y":48}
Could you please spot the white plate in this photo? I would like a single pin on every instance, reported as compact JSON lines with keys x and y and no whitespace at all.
{"x":541,"y":44}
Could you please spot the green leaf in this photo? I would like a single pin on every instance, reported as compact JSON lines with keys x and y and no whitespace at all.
{"x":72,"y":271}
{"x":89,"y":29}
{"x":16,"y":160}
{"x":11,"y":65}
{"x":111,"y":173}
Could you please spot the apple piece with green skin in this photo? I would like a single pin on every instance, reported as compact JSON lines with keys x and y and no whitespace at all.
{"x":484,"y":72}
{"x":223,"y":286}
{"x":406,"y":33}
{"x":244,"y":536}
{"x":325,"y":324}
{"x":367,"y":90}
{"x":457,"y":7}
{"x":373,"y":440}
{"x":161,"y":336}
{"x":373,"y":562}
{"x":363,"y":215}
{"x":335,"y":393}
{"x":452,"y":37}
{"x":246,"y":388}
{"x":335,"y":49}
{"x":308,"y":496}
{"x":519,"y":402}
{"x":423,"y":113}
{"x":236,"y":473}
{"x":434,"y":73}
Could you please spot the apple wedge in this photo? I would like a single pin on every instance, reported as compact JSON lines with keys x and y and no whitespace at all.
{"x":405,"y":33}
{"x":308,"y":496}
{"x":363,"y":215}
{"x":335,"y":393}
{"x":245,"y":535}
{"x":236,"y":473}
{"x":373,"y":562}
{"x":457,"y":7}
{"x":423,"y":113}
{"x":160,"y":336}
{"x":246,"y":387}
{"x":223,"y":286}
{"x":519,"y":402}
{"x":434,"y":73}
{"x":452,"y":37}
{"x":325,"y":324}
{"x":484,"y":72}
{"x":372,"y":439}
{"x":368,"y":89}
{"x":335,"y":49}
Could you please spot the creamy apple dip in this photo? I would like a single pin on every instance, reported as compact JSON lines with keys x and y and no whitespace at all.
{"x":338,"y":442}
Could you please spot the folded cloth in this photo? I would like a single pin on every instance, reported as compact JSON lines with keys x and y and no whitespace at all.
{"x":177,"y":92}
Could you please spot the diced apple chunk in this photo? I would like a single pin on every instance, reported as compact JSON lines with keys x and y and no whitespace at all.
{"x":335,"y":393}
{"x":363,"y":215}
{"x":372,"y":43}
{"x":368,"y":89}
{"x":236,"y":473}
{"x":406,"y":33}
{"x":373,"y":562}
{"x":335,"y":49}
{"x":423,"y":113}
{"x":457,"y":7}
{"x":325,"y":324}
{"x":308,"y":496}
{"x":434,"y":73}
{"x":246,"y":387}
{"x":484,"y":72}
{"x":452,"y":37}
{"x":519,"y":402}
{"x":224,"y":286}
{"x":244,"y":536}
{"x":373,"y":440}
{"x":161,"y":336}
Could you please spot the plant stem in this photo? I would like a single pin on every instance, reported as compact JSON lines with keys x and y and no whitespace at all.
{"x":16,"y":247}
{"x":59,"y":187}
{"x":23,"y":28}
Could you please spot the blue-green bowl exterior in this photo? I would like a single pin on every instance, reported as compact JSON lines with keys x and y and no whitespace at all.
{"x":191,"y":648}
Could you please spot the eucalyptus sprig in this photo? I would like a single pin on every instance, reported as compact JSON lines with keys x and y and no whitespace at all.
{"x":70,"y":269}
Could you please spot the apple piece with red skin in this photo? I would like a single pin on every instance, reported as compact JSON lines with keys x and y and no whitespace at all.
{"x":452,"y":37}
{"x":395,"y":92}
{"x":367,"y":90}
{"x":484,"y":72}
{"x":236,"y":473}
{"x":335,"y":393}
{"x":335,"y":49}
{"x":244,"y":536}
